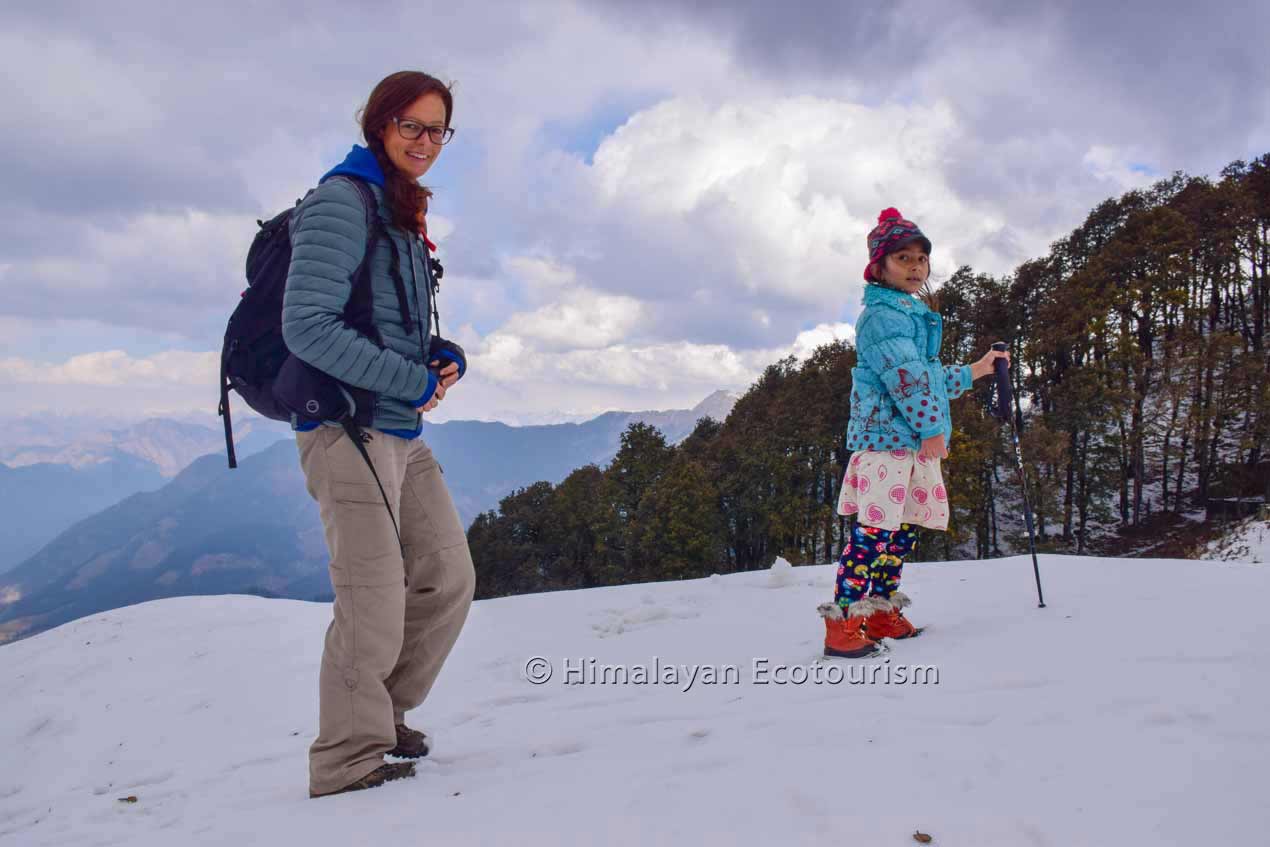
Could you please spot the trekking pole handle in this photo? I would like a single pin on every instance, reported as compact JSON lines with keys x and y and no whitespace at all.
{"x":1005,"y":393}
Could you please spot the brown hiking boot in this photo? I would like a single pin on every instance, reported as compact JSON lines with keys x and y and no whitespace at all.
{"x":844,"y":634}
{"x":384,"y":773}
{"x":411,"y":743}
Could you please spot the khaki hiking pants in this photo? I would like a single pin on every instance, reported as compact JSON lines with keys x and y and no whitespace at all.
{"x":395,"y":621}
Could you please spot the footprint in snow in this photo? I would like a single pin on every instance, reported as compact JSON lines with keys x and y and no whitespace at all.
{"x":515,"y":700}
{"x":618,"y":621}
{"x":260,"y":760}
{"x":128,"y":786}
{"x":560,"y":748}
{"x":42,"y":726}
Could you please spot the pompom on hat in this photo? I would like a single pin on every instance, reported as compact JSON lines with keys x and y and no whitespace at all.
{"x":892,"y":232}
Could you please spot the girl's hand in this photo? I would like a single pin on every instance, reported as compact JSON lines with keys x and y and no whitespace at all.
{"x":987,"y":365}
{"x":934,"y":448}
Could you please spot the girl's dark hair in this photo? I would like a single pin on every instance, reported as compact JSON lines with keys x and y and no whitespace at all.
{"x":406,"y":198}
{"x":929,"y":296}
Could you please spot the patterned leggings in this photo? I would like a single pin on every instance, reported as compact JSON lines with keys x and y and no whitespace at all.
{"x":871,"y":562}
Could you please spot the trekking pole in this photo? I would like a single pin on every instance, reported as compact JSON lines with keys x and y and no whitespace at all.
{"x":1005,"y":399}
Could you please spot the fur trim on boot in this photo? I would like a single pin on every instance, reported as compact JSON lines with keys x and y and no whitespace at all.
{"x":866,"y":606}
{"x":862,"y":608}
{"x":898,"y":600}
{"x":829,"y":611}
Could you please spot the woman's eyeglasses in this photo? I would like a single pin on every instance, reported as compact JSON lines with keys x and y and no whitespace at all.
{"x":411,"y":130}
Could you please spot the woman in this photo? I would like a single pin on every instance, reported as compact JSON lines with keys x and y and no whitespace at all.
{"x":400,"y":601}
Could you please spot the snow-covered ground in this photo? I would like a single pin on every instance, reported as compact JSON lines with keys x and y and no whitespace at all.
{"x":1246,"y":541}
{"x":1130,"y":711}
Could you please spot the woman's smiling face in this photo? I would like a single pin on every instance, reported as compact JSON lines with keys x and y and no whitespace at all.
{"x":414,"y":156}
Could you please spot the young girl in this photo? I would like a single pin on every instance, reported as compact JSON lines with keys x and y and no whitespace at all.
{"x":899,"y":431}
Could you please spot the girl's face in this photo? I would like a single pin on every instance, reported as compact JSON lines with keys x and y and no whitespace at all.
{"x":907,"y":269}
{"x":414,"y":156}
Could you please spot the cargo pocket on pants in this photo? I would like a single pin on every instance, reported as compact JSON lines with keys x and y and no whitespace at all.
{"x":441,"y":527}
{"x":366,"y":548}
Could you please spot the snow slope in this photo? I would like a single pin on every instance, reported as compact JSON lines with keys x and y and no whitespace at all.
{"x":1128,"y":712}
{"x":1246,"y":541}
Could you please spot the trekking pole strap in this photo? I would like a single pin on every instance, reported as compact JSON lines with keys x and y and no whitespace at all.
{"x":224,"y":413}
{"x":1004,"y":389}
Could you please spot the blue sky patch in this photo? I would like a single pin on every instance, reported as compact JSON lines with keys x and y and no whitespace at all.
{"x":582,"y":137}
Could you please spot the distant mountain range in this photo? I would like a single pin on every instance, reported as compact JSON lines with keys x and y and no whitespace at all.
{"x":208,"y":531}
{"x":211,"y":530}
{"x":39,"y":501}
{"x":485,"y":462}
{"x":169,"y":445}
{"x":58,"y":471}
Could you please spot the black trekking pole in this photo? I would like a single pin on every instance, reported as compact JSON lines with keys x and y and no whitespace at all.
{"x":1005,"y":400}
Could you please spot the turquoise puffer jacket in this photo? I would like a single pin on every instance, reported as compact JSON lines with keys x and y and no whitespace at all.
{"x":900,"y":390}
{"x":328,"y":241}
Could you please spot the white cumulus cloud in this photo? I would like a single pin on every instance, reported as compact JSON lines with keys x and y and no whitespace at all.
{"x":116,"y":368}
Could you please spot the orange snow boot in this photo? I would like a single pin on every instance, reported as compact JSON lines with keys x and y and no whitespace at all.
{"x":844,"y":634}
{"x":887,"y":621}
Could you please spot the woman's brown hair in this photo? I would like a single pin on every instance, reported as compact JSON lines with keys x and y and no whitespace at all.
{"x":406,"y":198}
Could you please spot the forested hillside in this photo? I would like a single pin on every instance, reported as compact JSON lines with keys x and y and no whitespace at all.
{"x":1142,"y":386}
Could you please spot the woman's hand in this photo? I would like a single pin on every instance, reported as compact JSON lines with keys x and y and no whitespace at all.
{"x":449,"y":374}
{"x":934,"y":447}
{"x":986,"y":365}
{"x":435,"y":400}
{"x":447,"y":377}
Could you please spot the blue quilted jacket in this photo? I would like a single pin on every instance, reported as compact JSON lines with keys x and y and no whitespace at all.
{"x":328,"y":241}
{"x":900,"y":390}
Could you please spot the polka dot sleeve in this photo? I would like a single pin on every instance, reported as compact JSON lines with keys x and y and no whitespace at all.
{"x":958,"y":379}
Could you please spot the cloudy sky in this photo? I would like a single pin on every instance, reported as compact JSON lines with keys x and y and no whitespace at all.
{"x":644,"y":201}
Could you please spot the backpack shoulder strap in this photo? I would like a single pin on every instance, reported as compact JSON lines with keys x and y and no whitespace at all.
{"x":373,"y":222}
{"x":374,"y":225}
{"x":375,"y":230}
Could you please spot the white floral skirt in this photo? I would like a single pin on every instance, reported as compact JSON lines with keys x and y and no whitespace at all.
{"x":897,"y":487}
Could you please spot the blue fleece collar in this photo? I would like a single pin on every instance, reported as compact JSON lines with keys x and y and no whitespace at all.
{"x":359,"y":163}
{"x":881,"y":295}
